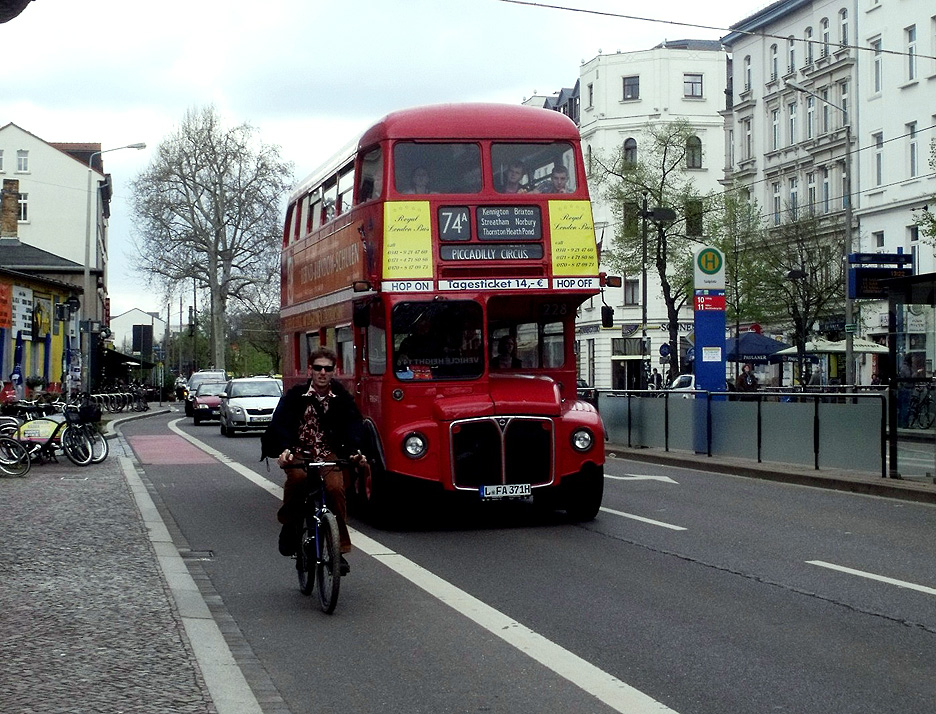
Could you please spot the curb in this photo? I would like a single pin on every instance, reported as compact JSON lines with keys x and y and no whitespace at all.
{"x":886,"y":488}
{"x":111,"y":424}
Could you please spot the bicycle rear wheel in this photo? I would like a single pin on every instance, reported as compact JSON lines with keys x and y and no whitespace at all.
{"x":14,"y":459}
{"x":99,"y":446}
{"x":305,"y":560}
{"x":328,"y":570}
{"x":76,"y":445}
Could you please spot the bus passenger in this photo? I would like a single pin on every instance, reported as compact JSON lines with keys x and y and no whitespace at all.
{"x":513,"y":182}
{"x":319,"y":416}
{"x":420,"y":181}
{"x":558,"y":181}
{"x":506,"y":354}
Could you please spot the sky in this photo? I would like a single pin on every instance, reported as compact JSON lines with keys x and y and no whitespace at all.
{"x":306,"y":74}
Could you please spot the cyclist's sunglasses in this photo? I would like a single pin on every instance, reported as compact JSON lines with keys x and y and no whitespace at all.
{"x":321,"y":367}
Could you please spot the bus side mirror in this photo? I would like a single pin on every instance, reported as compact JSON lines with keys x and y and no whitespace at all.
{"x":607,"y":316}
{"x":361,"y":316}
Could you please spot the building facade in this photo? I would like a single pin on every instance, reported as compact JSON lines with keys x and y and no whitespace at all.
{"x":621,"y":94}
{"x":831,"y":103}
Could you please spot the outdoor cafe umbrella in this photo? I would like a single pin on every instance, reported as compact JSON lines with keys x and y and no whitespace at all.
{"x":821,"y":346}
{"x":752,"y":347}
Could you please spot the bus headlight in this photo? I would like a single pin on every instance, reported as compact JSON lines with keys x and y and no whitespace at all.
{"x":582,"y":439}
{"x":415,"y":445}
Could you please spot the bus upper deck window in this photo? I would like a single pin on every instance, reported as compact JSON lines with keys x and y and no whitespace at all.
{"x":534,"y":168}
{"x":370,"y":184}
{"x":421,"y":169}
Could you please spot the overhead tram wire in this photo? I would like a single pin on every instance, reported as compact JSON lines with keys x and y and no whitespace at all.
{"x":621,"y":16}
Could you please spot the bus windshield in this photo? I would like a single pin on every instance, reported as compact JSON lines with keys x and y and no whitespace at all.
{"x":436,"y":168}
{"x":534,"y":168}
{"x":433,"y":340}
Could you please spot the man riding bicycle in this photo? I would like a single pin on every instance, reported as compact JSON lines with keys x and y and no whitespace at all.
{"x":321,"y":418}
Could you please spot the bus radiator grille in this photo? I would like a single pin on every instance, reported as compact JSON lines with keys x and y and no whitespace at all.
{"x":501,"y":450}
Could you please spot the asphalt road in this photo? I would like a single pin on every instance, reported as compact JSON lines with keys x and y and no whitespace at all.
{"x":701,"y":593}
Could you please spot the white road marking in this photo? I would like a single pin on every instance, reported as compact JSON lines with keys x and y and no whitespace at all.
{"x":642,"y":519}
{"x":641,"y":477}
{"x":873,"y":576}
{"x":618,"y":695}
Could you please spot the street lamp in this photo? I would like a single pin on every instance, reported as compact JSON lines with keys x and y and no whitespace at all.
{"x":658,"y":216}
{"x":849,"y":239}
{"x":86,"y":312}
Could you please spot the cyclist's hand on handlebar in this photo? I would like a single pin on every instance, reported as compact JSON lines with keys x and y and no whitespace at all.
{"x":285,"y":459}
{"x":358,"y":459}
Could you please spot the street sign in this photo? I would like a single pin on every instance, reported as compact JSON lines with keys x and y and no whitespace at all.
{"x":851,"y":327}
{"x":664,"y":349}
{"x":880,"y":258}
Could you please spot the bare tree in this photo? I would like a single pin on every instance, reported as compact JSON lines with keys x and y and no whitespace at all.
{"x":654,"y":172}
{"x":207,"y":209}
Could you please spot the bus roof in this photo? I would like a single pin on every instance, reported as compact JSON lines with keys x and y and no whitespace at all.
{"x":450,"y":121}
{"x":472,"y":121}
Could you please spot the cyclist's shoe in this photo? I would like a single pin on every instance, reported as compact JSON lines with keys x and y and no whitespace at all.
{"x":343,"y":566}
{"x":288,"y":540}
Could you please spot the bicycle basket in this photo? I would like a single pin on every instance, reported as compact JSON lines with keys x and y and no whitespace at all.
{"x":88,"y":413}
{"x":72,"y":416}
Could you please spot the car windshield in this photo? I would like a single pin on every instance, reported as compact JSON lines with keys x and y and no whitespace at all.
{"x":210,"y":389}
{"x":265,"y":388}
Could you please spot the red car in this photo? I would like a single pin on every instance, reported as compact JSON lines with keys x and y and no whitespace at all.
{"x":207,"y":401}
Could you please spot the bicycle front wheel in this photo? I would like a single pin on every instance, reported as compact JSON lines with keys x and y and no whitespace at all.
{"x":14,"y":459}
{"x":328,"y":569}
{"x":76,"y":445}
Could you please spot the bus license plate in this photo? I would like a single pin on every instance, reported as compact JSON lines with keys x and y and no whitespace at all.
{"x":506,"y":490}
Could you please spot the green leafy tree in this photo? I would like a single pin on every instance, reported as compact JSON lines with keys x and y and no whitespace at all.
{"x":207,"y":209}
{"x":926,"y":218}
{"x":655,"y":175}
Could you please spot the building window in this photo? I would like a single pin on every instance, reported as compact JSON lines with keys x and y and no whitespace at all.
{"x":877,"y":77}
{"x":791,"y":55}
{"x":631,"y":292}
{"x":878,"y":141}
{"x":910,"y":34}
{"x":692,"y":85}
{"x":791,"y":123}
{"x":731,"y":149}
{"x":774,"y":73}
{"x":811,"y":193}
{"x":810,"y":117}
{"x":843,"y":100}
{"x":694,"y":152}
{"x":794,"y":197}
{"x":22,"y":161}
{"x":748,"y":139}
{"x":1,"y":160}
{"x":23,"y":208}
{"x":843,"y":25}
{"x":826,"y":111}
{"x":630,"y":151}
{"x":824,"y":29}
{"x":775,"y":129}
{"x":808,"y":41}
{"x":826,"y":198}
{"x":591,"y":95}
{"x":747,"y":73}
{"x":914,"y":156}
{"x":631,"y":88}
{"x":878,"y":239}
{"x":776,"y":203}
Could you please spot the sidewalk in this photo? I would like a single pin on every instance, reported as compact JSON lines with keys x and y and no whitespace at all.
{"x":99,"y":612}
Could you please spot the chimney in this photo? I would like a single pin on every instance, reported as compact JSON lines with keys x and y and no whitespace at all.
{"x":9,"y":209}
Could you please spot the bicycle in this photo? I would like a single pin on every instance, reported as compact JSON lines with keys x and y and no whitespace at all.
{"x":920,"y":413}
{"x":318,"y":557}
{"x":85,"y":417}
{"x":14,"y":459}
{"x":45,"y":434}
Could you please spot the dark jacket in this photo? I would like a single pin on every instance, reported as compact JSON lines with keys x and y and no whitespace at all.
{"x":342,"y":423}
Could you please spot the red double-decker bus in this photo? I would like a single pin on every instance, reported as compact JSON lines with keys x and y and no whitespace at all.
{"x":443,"y":257}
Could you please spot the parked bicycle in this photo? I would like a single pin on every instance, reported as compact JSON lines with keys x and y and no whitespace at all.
{"x":45,"y":433}
{"x":318,"y":557}
{"x":920,"y":414}
{"x":86,"y":417}
{"x":14,"y":459}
